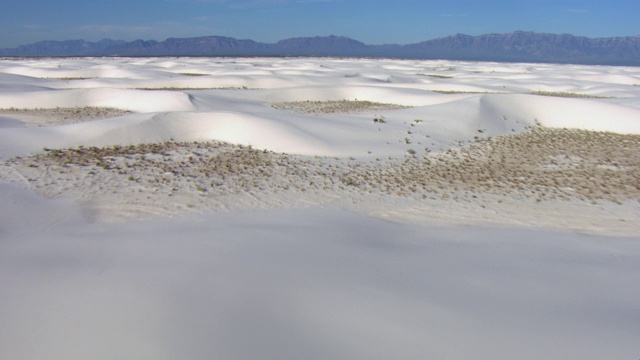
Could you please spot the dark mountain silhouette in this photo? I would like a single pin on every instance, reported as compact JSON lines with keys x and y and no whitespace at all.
{"x":321,"y":46}
{"x":226,"y":46}
{"x":199,"y":46}
{"x":532,"y":47}
{"x":61,"y":48}
{"x":511,"y":47}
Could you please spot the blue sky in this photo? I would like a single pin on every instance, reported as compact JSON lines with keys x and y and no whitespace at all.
{"x":372,"y":22}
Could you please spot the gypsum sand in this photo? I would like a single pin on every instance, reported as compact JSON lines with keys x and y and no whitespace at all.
{"x":536,"y":167}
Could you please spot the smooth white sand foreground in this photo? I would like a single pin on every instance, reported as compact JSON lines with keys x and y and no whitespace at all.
{"x":201,"y":208}
{"x":312,"y":284}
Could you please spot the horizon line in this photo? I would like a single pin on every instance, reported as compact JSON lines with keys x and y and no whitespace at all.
{"x":326,"y":36}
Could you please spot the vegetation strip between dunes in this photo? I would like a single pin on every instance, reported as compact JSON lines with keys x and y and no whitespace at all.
{"x":541,"y":164}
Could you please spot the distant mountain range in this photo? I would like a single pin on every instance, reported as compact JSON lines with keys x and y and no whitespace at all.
{"x":518,"y":46}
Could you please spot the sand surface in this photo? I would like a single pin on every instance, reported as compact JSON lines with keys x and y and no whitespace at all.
{"x":350,"y":133}
{"x":360,"y":176}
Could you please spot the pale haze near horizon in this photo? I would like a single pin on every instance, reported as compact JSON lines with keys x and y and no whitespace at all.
{"x":379,"y":22}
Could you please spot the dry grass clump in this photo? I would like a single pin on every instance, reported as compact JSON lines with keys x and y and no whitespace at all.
{"x":454,"y":92}
{"x":65,"y":115}
{"x":333,"y":107}
{"x":70,"y":78}
{"x":176,"y":88}
{"x":436,"y":76}
{"x":542,"y":164}
{"x":169,"y":167}
{"x":568,"y":95}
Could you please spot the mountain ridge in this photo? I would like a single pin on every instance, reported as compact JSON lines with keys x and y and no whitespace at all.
{"x":518,"y":46}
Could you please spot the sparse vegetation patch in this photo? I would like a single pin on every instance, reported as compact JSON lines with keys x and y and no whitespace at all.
{"x":453,"y":92}
{"x":63,"y":115}
{"x":177,"y":88}
{"x":436,"y":76}
{"x":339,"y":106}
{"x":540,"y":165}
{"x":70,"y":78}
{"x":568,"y":95}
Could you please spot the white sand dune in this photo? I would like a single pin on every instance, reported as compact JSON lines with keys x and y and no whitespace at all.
{"x":326,"y":238}
{"x":441,"y":124}
{"x":134,"y":100}
{"x":588,"y":114}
